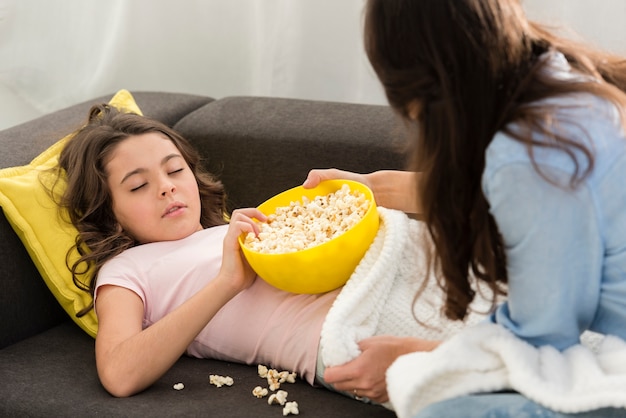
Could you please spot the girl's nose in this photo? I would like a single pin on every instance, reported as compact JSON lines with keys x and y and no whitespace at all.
{"x":166,"y":192}
{"x":167,"y":188}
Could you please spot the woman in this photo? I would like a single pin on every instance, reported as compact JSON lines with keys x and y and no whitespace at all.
{"x":519,"y":139}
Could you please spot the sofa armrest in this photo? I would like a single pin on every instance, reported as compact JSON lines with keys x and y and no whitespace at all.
{"x":26,"y":305}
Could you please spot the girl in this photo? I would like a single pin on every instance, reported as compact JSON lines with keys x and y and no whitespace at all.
{"x":518,"y":137}
{"x":131,"y":182}
{"x":166,"y":271}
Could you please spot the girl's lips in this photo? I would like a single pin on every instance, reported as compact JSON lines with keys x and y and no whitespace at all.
{"x":174,"y":209}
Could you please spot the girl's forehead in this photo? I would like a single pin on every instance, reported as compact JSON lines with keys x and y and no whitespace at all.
{"x":141,"y":151}
{"x":144,"y":145}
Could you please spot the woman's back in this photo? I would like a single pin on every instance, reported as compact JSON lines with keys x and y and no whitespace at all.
{"x":566,"y":248}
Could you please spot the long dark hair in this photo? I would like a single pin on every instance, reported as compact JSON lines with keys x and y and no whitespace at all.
{"x":87,"y":199}
{"x":474,"y":66}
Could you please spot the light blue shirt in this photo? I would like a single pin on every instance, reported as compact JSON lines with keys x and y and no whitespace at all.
{"x":565,"y":248}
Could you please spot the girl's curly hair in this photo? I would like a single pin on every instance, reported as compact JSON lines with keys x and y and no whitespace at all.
{"x":87,"y":200}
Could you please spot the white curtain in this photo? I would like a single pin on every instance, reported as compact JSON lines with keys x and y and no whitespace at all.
{"x":54,"y":53}
{"x":60,"y":52}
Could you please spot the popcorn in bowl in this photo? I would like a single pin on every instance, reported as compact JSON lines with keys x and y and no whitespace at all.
{"x":315,"y":237}
{"x":309,"y":223}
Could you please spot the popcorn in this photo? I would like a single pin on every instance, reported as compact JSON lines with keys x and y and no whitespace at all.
{"x":291,"y":408}
{"x":262,"y":370}
{"x":220,"y":381}
{"x":279,"y":397}
{"x":275,"y":378}
{"x":305,"y":224}
{"x":287,"y":377}
{"x":259,"y":392}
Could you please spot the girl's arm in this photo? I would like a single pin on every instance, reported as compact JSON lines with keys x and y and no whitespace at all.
{"x":130,"y":359}
{"x":392,"y":188}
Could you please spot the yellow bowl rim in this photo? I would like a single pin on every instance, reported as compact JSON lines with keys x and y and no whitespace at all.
{"x":369,"y":196}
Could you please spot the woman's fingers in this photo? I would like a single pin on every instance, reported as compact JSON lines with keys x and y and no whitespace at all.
{"x":316,"y":176}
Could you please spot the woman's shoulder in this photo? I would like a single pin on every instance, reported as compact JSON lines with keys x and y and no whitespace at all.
{"x":587,"y":120}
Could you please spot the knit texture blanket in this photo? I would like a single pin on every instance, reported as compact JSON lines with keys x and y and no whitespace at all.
{"x":487,"y":358}
{"x":379,"y":297}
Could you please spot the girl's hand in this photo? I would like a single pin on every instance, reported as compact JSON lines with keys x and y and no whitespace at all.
{"x":316,"y":176}
{"x":366,"y":373}
{"x":235,"y":268}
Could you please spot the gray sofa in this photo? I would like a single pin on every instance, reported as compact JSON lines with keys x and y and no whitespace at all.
{"x":259,"y":147}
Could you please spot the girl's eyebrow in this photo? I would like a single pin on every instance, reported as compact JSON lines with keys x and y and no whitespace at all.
{"x":143,"y":170}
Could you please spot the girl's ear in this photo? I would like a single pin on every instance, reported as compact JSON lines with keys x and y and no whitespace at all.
{"x":119,"y":228}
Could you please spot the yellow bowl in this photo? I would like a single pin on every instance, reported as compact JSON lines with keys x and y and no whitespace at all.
{"x":324,"y":267}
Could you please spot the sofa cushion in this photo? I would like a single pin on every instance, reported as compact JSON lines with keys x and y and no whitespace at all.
{"x":54,"y":374}
{"x":275,"y":142}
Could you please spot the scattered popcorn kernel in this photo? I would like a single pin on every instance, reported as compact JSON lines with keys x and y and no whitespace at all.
{"x":279,"y":397}
{"x":220,"y":381}
{"x":287,"y":377}
{"x":274,"y":386}
{"x":273,"y":379}
{"x":179,"y":386}
{"x":291,"y":408}
{"x":259,"y":392}
{"x":305,"y":224}
{"x":262,"y":371}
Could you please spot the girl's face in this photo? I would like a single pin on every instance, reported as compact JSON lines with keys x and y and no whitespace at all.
{"x":155,"y":195}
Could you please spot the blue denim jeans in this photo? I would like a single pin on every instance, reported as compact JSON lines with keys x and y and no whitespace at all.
{"x":505,"y":405}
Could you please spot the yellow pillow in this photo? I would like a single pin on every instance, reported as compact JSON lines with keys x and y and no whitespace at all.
{"x":35,"y":218}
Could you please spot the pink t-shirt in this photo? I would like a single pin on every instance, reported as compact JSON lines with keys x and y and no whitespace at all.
{"x":261,"y":325}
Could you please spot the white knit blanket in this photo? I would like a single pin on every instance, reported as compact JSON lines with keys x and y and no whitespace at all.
{"x":378,"y":298}
{"x":487,"y":358}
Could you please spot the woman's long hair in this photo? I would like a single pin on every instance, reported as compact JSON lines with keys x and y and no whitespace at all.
{"x":472,"y":67}
{"x":87,"y":198}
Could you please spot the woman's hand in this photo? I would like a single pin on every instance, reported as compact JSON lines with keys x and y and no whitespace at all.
{"x":365,"y":375}
{"x":316,"y":176}
{"x":235,"y":268}
{"x":393,"y":189}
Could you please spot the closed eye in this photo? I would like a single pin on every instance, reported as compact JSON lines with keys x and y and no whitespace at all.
{"x":176,"y":171}
{"x":134,"y":189}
